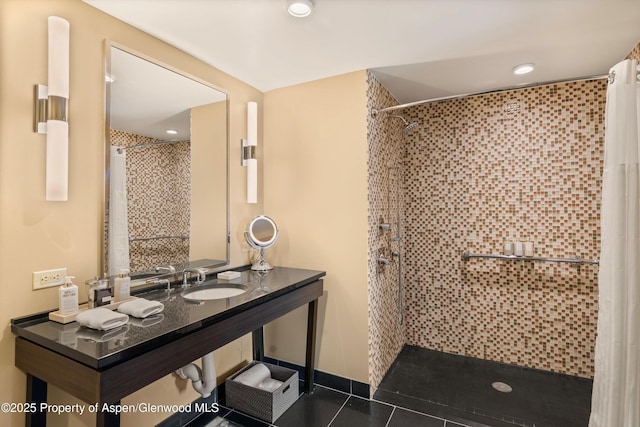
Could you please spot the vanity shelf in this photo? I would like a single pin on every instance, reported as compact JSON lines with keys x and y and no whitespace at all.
{"x":466,"y":255}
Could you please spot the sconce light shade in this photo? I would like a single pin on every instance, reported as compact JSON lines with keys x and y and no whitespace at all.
{"x":58,"y":65}
{"x":251,"y":161}
{"x":51,"y":106}
{"x":57,"y":163}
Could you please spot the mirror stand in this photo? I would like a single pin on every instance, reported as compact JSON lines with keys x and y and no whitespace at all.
{"x":261,"y":264}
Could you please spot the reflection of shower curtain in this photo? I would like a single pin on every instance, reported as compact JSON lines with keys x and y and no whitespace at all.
{"x":118,"y":239}
{"x":616,"y":386}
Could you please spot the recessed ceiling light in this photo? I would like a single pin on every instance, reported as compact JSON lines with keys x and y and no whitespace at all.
{"x":300,"y":8}
{"x":172,"y":131}
{"x":523,"y":69}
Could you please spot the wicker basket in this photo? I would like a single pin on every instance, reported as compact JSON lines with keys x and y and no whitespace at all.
{"x":263,"y":404}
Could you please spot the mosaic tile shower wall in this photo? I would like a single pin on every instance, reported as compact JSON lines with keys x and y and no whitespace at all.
{"x":158,"y":195}
{"x":635,"y":53}
{"x":524,"y":165}
{"x":386,"y":335}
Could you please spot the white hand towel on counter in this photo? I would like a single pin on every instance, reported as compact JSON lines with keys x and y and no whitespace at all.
{"x":270,"y":384}
{"x":254,"y":375}
{"x":101,"y":318}
{"x":141,"y":308}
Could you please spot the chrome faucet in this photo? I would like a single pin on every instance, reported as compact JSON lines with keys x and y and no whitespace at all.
{"x":202,"y":275}
{"x":168,"y":283}
{"x":166,"y":268}
{"x":94,"y":285}
{"x":156,"y":281}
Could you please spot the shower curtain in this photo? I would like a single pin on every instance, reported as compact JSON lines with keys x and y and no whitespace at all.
{"x":616,"y":385}
{"x":118,"y":238}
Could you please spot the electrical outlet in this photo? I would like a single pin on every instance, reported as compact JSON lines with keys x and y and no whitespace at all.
{"x":48,"y":278}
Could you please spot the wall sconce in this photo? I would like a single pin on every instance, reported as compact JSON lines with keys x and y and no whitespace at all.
{"x":249,"y":152}
{"x":51,"y":108}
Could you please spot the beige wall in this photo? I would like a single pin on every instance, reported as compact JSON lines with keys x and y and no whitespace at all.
{"x":37,"y":235}
{"x":207,"y":223}
{"x":315,"y":174}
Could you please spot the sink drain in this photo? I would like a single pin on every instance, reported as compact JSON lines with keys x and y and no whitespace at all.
{"x":502,"y":387}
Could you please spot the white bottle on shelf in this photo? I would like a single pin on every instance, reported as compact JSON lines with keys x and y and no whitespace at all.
{"x":518,"y":249}
{"x":508,"y":248}
{"x":68,"y":297}
{"x":528,"y":249}
{"x":122,"y":286}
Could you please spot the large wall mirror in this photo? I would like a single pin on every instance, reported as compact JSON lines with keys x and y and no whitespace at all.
{"x":166,"y":157}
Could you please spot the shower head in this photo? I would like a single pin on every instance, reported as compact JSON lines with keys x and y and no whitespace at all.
{"x":408,"y":127}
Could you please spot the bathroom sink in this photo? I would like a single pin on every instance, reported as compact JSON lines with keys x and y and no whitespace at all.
{"x":214,"y":291}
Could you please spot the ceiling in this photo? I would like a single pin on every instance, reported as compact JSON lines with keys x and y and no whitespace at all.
{"x":419,"y":49}
{"x":147,"y":99}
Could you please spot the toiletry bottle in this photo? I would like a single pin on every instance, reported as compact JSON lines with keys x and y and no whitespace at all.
{"x":68,"y":297}
{"x":104,"y":293}
{"x":92,"y":286}
{"x":122,"y":286}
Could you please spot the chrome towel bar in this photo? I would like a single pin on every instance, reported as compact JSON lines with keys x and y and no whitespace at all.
{"x":574,"y":260}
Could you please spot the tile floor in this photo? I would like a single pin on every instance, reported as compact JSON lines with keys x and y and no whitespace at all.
{"x":326,"y":407}
{"x":434,"y":389}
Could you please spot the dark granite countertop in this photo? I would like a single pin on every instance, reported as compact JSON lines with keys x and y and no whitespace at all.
{"x":101,"y":349}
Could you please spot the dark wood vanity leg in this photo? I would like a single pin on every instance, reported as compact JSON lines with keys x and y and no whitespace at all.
{"x":36,"y":393}
{"x":258,"y":344}
{"x":108,"y":419}
{"x":310,"y":363}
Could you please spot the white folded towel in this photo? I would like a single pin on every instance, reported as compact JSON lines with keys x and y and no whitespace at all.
{"x":270,"y":384}
{"x":101,"y":318}
{"x":254,"y":375}
{"x":141,"y":308}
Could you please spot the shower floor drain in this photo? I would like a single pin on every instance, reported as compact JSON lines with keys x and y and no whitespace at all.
{"x":502,"y":387}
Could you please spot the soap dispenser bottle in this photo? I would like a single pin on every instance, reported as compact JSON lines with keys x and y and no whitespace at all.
{"x":122,"y":286}
{"x":68,"y":297}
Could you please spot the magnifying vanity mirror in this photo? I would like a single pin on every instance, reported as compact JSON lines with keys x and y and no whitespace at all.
{"x":261,"y":233}
{"x":166,"y":159}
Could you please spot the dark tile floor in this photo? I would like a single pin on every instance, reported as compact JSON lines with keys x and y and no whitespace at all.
{"x":433,"y":389}
{"x":326,"y":407}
